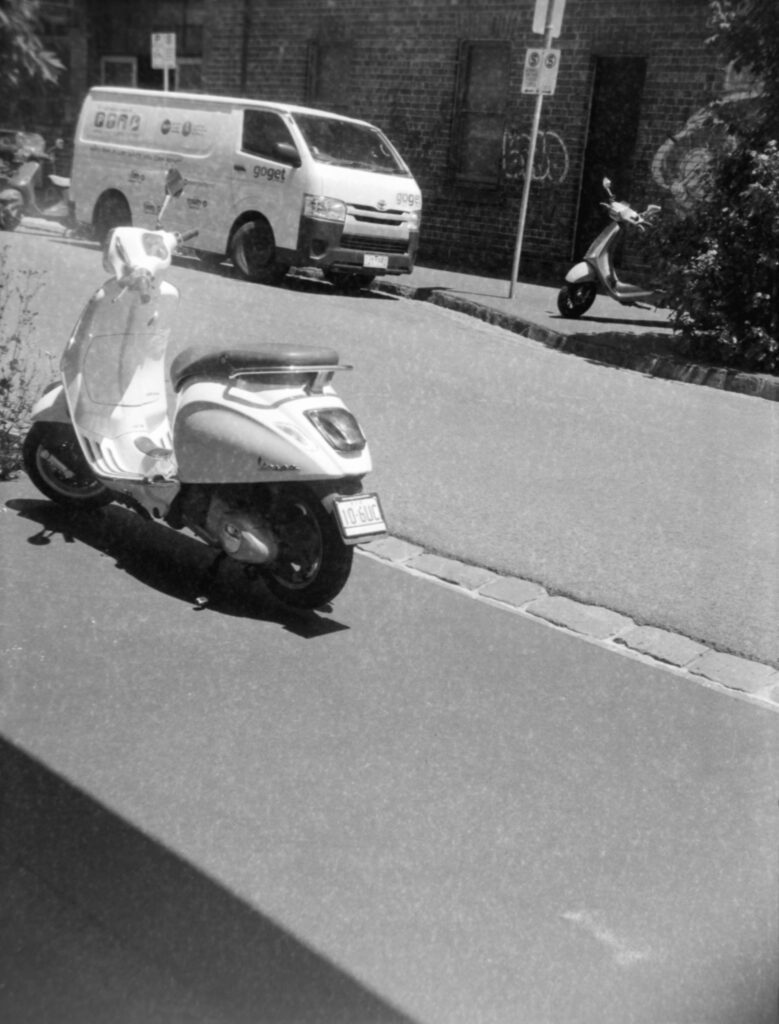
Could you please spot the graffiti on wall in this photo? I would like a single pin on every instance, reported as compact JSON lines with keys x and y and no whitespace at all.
{"x":551,"y":162}
{"x":684,"y":163}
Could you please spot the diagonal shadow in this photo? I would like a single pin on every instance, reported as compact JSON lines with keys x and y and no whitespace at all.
{"x":175,"y":564}
{"x":165,"y":924}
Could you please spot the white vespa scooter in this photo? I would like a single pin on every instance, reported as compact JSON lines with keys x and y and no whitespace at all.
{"x":596,"y":273}
{"x":258,"y":457}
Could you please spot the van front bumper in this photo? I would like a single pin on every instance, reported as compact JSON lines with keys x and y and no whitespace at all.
{"x":331,"y":245}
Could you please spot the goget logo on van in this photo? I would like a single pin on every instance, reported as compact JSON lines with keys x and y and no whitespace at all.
{"x":111,"y":121}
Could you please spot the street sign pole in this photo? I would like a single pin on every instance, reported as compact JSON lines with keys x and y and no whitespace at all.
{"x":550,"y":28}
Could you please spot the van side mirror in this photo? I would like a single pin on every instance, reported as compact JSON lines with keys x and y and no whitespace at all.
{"x":287,"y":153}
{"x":174,"y":182}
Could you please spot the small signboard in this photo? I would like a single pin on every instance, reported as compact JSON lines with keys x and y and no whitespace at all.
{"x":540,"y":72}
{"x":541,"y":13}
{"x":163,"y":50}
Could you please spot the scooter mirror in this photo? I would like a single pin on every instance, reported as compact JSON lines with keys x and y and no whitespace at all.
{"x":174,"y":182}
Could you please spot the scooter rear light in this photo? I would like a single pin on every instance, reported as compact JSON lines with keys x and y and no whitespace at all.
{"x":339,"y":428}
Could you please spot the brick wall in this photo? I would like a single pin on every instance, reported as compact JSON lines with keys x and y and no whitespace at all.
{"x":403,"y":59}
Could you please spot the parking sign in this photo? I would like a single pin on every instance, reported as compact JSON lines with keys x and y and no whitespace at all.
{"x":540,"y":71}
{"x":163,"y":50}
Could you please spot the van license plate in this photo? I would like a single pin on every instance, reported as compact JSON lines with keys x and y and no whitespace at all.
{"x":378,"y":262}
{"x":359,"y":516}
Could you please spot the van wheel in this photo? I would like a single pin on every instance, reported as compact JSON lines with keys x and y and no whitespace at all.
{"x":253,"y":252}
{"x":111,"y":212}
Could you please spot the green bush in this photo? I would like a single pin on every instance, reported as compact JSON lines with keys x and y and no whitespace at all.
{"x":21,"y":372}
{"x":720,"y":258}
{"x":721,"y":273}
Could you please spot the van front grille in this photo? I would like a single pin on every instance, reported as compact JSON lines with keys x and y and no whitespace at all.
{"x":372,"y":215}
{"x":373,"y":243}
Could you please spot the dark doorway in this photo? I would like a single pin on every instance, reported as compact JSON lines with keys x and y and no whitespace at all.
{"x":611,"y":140}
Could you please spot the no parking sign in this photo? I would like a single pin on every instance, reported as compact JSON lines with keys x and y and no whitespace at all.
{"x":540,"y":72}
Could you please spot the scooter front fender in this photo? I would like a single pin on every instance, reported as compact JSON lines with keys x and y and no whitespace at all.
{"x":580,"y":272}
{"x":52,"y":406}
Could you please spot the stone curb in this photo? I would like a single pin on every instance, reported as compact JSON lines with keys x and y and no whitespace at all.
{"x":704,"y":665}
{"x":612,"y":347}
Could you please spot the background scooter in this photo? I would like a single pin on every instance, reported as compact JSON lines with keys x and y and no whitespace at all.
{"x":28,"y":186}
{"x":596,"y":273}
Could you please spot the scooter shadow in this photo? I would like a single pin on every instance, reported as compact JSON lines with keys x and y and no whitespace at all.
{"x":174,"y":564}
{"x":617,"y":321}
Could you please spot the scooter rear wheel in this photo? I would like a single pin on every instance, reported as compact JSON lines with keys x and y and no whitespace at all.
{"x":56,"y":465}
{"x":313,"y":564}
{"x":575,"y":299}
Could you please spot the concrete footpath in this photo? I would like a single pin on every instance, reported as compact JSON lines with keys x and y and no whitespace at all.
{"x":634,"y":338}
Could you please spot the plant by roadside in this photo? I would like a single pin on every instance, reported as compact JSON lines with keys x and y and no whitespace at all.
{"x":21,"y":373}
{"x":721,"y":255}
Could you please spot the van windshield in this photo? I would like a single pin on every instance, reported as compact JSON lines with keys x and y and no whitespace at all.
{"x":349,"y":145}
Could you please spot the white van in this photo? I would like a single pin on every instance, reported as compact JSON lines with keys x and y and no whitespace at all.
{"x":271,"y":186}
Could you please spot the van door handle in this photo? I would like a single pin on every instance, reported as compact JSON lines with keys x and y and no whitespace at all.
{"x":239,"y":167}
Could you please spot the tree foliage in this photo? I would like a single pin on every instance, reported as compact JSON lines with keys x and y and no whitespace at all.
{"x":23,"y":58}
{"x":722,"y":255}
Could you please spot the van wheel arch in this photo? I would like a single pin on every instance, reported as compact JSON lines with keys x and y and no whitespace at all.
{"x":111,"y":211}
{"x":253,"y":251}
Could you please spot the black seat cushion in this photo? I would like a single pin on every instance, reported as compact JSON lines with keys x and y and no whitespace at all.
{"x":216,"y":364}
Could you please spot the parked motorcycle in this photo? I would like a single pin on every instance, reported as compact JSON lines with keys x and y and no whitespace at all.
{"x":28,"y":186}
{"x":596,"y":273}
{"x":255,"y":452}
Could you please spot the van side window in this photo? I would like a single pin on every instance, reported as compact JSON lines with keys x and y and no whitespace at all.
{"x":262,"y":131}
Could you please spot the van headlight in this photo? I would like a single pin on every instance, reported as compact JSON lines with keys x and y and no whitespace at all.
{"x":324,"y":208}
{"x":414,"y":220}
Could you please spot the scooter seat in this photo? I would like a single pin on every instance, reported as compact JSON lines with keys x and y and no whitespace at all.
{"x":220,"y":365}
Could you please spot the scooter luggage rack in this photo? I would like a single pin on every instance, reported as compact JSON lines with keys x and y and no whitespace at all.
{"x":321,"y":374}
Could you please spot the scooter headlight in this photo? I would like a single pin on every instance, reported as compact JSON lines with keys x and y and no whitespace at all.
{"x":339,"y":428}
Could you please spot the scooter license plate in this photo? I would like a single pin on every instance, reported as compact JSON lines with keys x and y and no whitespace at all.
{"x":377,"y":262}
{"x":359,"y":517}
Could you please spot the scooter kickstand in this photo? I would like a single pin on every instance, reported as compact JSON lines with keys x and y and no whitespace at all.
{"x":208,"y":579}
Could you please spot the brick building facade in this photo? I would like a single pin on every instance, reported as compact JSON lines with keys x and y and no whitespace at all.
{"x":443,"y":78}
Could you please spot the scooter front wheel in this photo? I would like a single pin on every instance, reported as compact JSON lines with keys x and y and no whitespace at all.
{"x":56,"y":465}
{"x":313,"y":563}
{"x":575,"y":299}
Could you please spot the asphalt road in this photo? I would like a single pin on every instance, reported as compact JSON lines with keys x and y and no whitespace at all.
{"x":652,"y":498}
{"x":414,"y":807}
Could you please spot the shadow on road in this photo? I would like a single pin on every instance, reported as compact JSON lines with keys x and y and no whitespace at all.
{"x":174,"y":564}
{"x":623,"y":321}
{"x":99,"y":921}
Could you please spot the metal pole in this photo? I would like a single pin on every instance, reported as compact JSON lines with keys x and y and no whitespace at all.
{"x":531,"y":157}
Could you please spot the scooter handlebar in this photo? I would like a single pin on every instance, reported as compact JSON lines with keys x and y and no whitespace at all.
{"x":189,"y":234}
